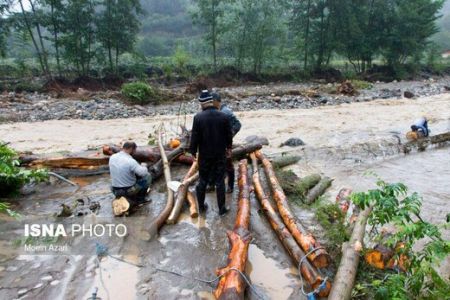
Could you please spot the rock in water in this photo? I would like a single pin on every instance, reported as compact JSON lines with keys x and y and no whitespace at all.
{"x":256,"y":139}
{"x":293,"y":142}
{"x":408,"y":94}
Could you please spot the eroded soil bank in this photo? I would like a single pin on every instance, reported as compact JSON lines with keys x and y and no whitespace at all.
{"x":342,"y":141}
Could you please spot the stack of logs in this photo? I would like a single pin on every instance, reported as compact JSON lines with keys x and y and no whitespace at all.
{"x":305,"y":251}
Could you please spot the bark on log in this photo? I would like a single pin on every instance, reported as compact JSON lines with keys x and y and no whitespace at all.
{"x":191,"y":176}
{"x":384,"y":257}
{"x":84,"y":163}
{"x":284,"y":161}
{"x":158,"y":168}
{"x":318,"y":190}
{"x":242,"y":150}
{"x":305,"y":240}
{"x":151,"y":155}
{"x":193,"y":206}
{"x":306,"y":183}
{"x":351,"y":250}
{"x":308,"y":272}
{"x":231,"y":285}
{"x":164,"y":162}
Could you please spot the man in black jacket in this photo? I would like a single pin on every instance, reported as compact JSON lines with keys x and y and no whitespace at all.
{"x":211,"y":138}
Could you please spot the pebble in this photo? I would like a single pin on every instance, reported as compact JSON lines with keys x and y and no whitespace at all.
{"x":47,"y":278}
{"x":54,"y":282}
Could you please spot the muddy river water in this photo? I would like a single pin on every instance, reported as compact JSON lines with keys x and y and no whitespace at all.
{"x":194,"y":248}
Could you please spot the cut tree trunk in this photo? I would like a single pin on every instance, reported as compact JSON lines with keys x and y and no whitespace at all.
{"x":306,"y":183}
{"x":318,"y":190}
{"x":308,"y":272}
{"x":157,"y":169}
{"x":146,"y":155}
{"x":284,"y":161}
{"x":85,"y":163}
{"x":193,"y":206}
{"x":351,"y":250}
{"x":165,"y":168}
{"x":422,"y":143}
{"x":384,"y":257}
{"x":305,"y":240}
{"x":242,"y":150}
{"x":191,"y":177}
{"x":231,"y":285}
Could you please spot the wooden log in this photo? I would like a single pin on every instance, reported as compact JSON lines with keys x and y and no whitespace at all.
{"x":305,"y":240}
{"x":318,"y":190}
{"x":162,"y":217}
{"x":383,"y":257}
{"x":422,"y":143}
{"x":242,"y":150}
{"x":191,"y":176}
{"x":308,"y":272}
{"x":143,"y":154}
{"x":284,"y":161}
{"x":84,"y":163}
{"x":231,"y":285}
{"x":193,"y":206}
{"x":306,"y":183}
{"x":351,"y":250}
{"x":157,"y":169}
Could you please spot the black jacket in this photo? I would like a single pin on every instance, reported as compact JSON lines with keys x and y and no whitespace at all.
{"x":211,"y":133}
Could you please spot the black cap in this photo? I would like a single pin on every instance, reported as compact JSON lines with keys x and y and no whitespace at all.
{"x":205,"y":96}
{"x":216,"y":97}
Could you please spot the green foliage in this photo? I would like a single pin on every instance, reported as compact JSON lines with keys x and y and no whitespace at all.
{"x":332,"y":219}
{"x":12,"y":177}
{"x":361,"y":85}
{"x":393,"y":205}
{"x":139,"y":92}
{"x":4,"y":208}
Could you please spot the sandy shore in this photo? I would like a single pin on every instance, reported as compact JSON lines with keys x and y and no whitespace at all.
{"x":344,"y":124}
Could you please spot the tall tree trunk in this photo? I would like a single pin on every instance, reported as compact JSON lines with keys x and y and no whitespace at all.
{"x":55,"y":37}
{"x":305,"y":64}
{"x":41,"y":40}
{"x":33,"y":39}
{"x":214,"y":33}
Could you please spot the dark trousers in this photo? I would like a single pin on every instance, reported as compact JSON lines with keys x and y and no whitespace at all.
{"x":211,"y":171}
{"x":230,"y":172}
{"x":135,"y":193}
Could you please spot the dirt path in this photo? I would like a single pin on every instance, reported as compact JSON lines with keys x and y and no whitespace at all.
{"x":320,"y":126}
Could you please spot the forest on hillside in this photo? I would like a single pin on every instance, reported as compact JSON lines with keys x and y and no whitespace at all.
{"x":99,"y":37}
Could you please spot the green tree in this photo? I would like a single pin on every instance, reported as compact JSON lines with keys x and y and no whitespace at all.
{"x":53,"y":21}
{"x":253,"y":29}
{"x":408,"y":26}
{"x":4,"y":27}
{"x":314,"y":22}
{"x":209,"y":14}
{"x":118,"y":26}
{"x":79,"y":34}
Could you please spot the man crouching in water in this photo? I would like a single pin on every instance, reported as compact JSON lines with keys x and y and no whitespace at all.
{"x":128,"y":178}
{"x":211,"y":138}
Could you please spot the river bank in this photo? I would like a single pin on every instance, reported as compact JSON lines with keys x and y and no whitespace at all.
{"x":85,"y":105}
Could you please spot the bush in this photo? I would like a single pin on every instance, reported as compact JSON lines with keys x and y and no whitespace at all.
{"x":140,"y":92}
{"x":12,"y":177}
